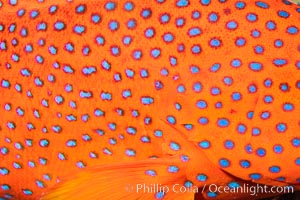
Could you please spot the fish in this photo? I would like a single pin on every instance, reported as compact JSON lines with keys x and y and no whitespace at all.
{"x":160,"y":99}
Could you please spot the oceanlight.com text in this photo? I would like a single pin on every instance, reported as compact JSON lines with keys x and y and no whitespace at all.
{"x":252,"y":190}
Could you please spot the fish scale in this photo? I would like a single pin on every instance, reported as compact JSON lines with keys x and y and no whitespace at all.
{"x":123,"y":88}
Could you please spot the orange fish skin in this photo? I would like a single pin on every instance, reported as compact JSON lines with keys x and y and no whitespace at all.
{"x":60,"y":67}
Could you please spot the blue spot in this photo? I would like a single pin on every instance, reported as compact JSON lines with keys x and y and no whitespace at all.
{"x":205,"y":144}
{"x":59,"y":25}
{"x":262,"y":4}
{"x":128,"y":6}
{"x":44,"y":143}
{"x":20,"y":12}
{"x":105,"y":65}
{"x":201,"y":104}
{"x":131,"y":23}
{"x":79,"y":29}
{"x":274,"y":169}
{"x":85,"y":94}
{"x":196,"y":14}
{"x":297,"y":161}
{"x":61,"y":156}
{"x":281,"y":127}
{"x":100,"y":40}
{"x":236,"y":96}
{"x":173,"y":169}
{"x":279,"y":62}
{"x":12,"y":28}
{"x":147,"y":100}
{"x":283,"y":14}
{"x":197,"y":87}
{"x":255,"y":66}
{"x":188,"y":184}
{"x":27,"y":192}
{"x":255,"y":131}
{"x":245,"y":163}
{"x":231,"y":25}
{"x":89,"y":70}
{"x":252,"y":17}
{"x":224,"y":163}
{"x":268,"y":83}
{"x":205,"y":2}
{"x":159,"y":195}
{"x":52,"y":9}
{"x":110,"y":6}
{"x":180,"y":22}
{"x":261,"y":152}
{"x":171,"y":119}
{"x":203,"y":120}
{"x":56,"y":129}
{"x":181,"y":88}
{"x":288,"y":107}
{"x":80,"y":9}
{"x":252,"y":88}
{"x":188,"y":126}
{"x":215,"y":91}
{"x":284,"y":87}
{"x":255,"y":176}
{"x":113,"y":25}
{"x":227,"y":80}
{"x":168,"y":37}
{"x":165,"y":18}
{"x":137,"y":54}
{"x":106,"y":96}
{"x":278,"y":148}
{"x":80,"y":164}
{"x":96,"y":18}
{"x":40,"y":184}
{"x":68,"y":88}
{"x":174,"y":146}
{"x":146,"y":13}
{"x":98,"y":112}
{"x":233,"y":185}
{"x":131,"y":130}
{"x":215,"y":42}
{"x":296,"y":142}
{"x":194,"y":31}
{"x":158,"y":85}
{"x":71,"y":143}
{"x":5,"y":83}
{"x":182,"y":3}
{"x":4,"y":171}
{"x":173,"y":61}
{"x":155,"y":52}
{"x":236,"y":63}
{"x":255,"y":33}
{"x":196,"y":49}
{"x":59,"y":99}
{"x":41,"y":26}
{"x":5,"y":187}
{"x":126,"y":93}
{"x":229,"y":144}
{"x":201,"y":177}
{"x":150,"y":172}
{"x":127,"y":40}
{"x":240,"y":42}
{"x":240,"y":5}
{"x":213,"y":17}
{"x":270,"y":25}
{"x":158,"y":133}
{"x":292,"y":30}
{"x":215,"y":67}
{"x":223,"y":122}
{"x":149,"y":32}
{"x":265,"y":115}
{"x":130,"y":152}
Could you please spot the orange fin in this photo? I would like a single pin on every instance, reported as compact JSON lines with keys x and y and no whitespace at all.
{"x":135,"y":180}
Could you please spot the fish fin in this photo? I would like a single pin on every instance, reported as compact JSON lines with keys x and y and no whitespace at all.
{"x":123,"y":181}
